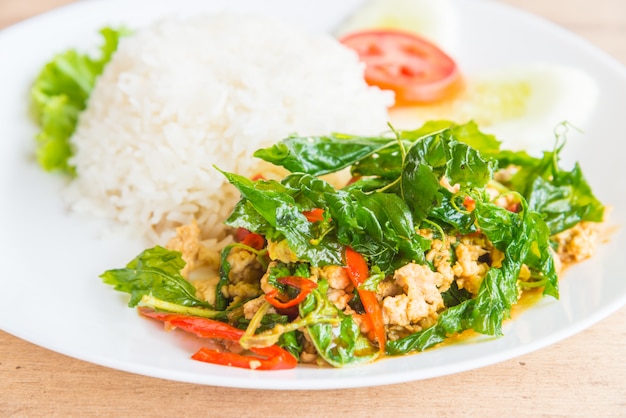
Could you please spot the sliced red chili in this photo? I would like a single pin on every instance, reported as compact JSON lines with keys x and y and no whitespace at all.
{"x":353,"y":179}
{"x":314,"y":215}
{"x":469,"y":203}
{"x":240,"y":234}
{"x":514,"y":207}
{"x":304,"y":285}
{"x":271,"y":358}
{"x":202,"y":327}
{"x":358,"y":272}
{"x":253,"y":240}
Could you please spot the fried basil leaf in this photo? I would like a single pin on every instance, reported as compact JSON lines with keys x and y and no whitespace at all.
{"x":155,"y":272}
{"x":321,"y":155}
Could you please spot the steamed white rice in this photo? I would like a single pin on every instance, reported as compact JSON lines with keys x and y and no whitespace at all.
{"x":183,"y":95}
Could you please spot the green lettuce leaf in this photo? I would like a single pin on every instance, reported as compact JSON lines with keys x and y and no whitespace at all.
{"x":60,"y":93}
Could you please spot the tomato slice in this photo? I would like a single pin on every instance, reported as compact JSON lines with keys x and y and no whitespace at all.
{"x":414,"y":68}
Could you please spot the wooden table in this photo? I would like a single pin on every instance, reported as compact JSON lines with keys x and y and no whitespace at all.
{"x":584,"y":375}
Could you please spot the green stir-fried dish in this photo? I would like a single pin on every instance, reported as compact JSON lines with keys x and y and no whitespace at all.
{"x":437,"y":231}
{"x":333,"y":250}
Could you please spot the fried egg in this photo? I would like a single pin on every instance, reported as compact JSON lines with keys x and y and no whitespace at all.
{"x":435,"y":20}
{"x":522,"y":105}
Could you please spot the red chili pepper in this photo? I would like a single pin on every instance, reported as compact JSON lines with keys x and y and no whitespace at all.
{"x":240,"y":234}
{"x":202,"y":327}
{"x":243,"y":236}
{"x":272,"y":357}
{"x":314,"y":215}
{"x":358,"y":272}
{"x":353,"y":179}
{"x":469,"y":203}
{"x":514,"y":207}
{"x":305,"y":286}
{"x":253,"y":240}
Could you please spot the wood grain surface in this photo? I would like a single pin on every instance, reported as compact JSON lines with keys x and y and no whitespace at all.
{"x":584,"y":375}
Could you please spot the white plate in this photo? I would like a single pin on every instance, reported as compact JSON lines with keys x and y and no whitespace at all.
{"x":50,"y":293}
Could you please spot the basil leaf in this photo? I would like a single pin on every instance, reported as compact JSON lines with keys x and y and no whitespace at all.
{"x":276,"y":203}
{"x":266,"y":196}
{"x":470,"y":134}
{"x":450,"y":217}
{"x":419,"y":182}
{"x":221,"y":302}
{"x":565,"y":201}
{"x":454,"y":296}
{"x":306,"y":245}
{"x":452,"y":320}
{"x":497,"y":293}
{"x":540,"y":255}
{"x":385,"y":163}
{"x":467,"y":133}
{"x":395,"y":223}
{"x":293,"y":342}
{"x":155,"y":272}
{"x":525,"y":238}
{"x":432,"y":157}
{"x":467,"y":167}
{"x":320,"y":155}
{"x":507,"y":231}
{"x":244,"y":215}
{"x":563,"y":197}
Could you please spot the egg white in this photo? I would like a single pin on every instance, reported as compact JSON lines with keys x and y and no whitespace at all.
{"x":435,"y":20}
{"x":522,"y":106}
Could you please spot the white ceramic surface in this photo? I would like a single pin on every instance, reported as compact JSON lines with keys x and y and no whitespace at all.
{"x":50,"y":293}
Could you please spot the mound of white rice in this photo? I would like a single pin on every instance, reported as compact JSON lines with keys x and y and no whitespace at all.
{"x":183,"y":95}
